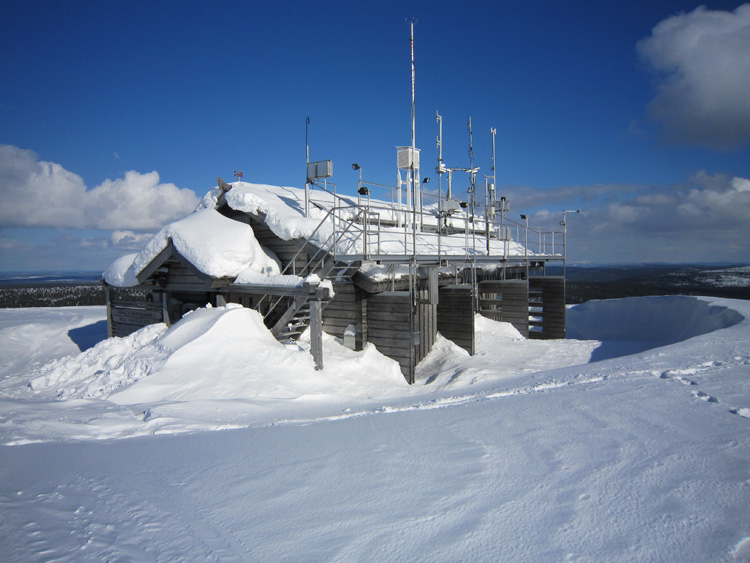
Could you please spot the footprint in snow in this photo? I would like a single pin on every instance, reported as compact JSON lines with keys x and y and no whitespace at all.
{"x":673,"y":374}
{"x":705,"y":397}
{"x":744,"y":412}
{"x":686,"y":381}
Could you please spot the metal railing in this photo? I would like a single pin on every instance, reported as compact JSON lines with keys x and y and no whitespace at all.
{"x":372,"y":222}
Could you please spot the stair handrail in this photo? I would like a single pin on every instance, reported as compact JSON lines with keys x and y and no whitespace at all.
{"x":331,"y":245}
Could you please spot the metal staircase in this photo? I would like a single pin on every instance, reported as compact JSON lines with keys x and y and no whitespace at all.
{"x":296,"y":311}
{"x":289,"y":316}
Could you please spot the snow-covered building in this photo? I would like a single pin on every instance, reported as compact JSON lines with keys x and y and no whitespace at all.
{"x":361,"y":269}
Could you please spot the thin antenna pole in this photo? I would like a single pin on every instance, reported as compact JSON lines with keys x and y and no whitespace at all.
{"x":413,"y":126}
{"x":471,"y":149}
{"x":473,"y":189}
{"x":440,"y":151}
{"x":489,"y":198}
{"x":440,"y":180}
{"x":413,"y":320}
{"x":307,"y":163}
{"x":416,"y":185}
{"x":494,"y":178}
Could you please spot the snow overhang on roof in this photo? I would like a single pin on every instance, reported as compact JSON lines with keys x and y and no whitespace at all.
{"x":215,"y":245}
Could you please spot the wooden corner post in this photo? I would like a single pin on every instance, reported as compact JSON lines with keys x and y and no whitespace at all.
{"x":316,"y":332}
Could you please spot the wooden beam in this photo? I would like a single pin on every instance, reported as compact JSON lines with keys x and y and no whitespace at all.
{"x":316,"y":333}
{"x":155,"y":264}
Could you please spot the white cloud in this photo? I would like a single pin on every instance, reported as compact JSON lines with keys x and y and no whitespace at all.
{"x":97,"y":242}
{"x":36,"y":193}
{"x":741,"y":184}
{"x":9,"y":244}
{"x":702,"y":60}
{"x":128,"y":240}
{"x":704,"y":219}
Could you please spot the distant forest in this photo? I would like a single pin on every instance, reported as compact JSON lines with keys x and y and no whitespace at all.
{"x":583,"y":284}
{"x":614,"y":282}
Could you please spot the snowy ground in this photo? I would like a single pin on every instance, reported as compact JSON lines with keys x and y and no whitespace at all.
{"x":529,"y":451}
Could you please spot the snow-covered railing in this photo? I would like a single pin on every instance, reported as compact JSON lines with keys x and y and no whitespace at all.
{"x":366,"y":228}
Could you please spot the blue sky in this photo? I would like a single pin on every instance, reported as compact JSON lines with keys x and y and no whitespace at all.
{"x":635,"y":111}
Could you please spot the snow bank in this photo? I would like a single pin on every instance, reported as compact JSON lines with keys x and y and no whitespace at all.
{"x":99,"y":371}
{"x":651,"y":319}
{"x":213,"y":354}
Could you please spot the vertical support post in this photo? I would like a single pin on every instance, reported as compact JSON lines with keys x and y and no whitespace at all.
{"x":165,"y":309}
{"x":316,"y":333}
{"x":108,"y":297}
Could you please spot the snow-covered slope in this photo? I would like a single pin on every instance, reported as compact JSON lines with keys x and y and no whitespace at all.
{"x":528,"y":451}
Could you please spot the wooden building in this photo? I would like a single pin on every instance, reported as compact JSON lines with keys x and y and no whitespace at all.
{"x":397,"y":279}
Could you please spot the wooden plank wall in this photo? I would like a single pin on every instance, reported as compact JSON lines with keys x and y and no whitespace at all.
{"x":547,"y":307}
{"x":506,"y":301}
{"x":388,"y":326}
{"x":348,"y":307}
{"x":425,"y":321}
{"x":128,"y":316}
{"x":182,"y":278}
{"x":455,"y":316}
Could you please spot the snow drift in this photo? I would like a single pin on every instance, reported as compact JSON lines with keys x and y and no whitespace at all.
{"x":663,"y":320}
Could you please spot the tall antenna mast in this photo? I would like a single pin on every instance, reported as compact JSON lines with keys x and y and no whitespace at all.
{"x":412,"y":21}
{"x":494,"y":178}
{"x":440,"y":159}
{"x":471,"y":147}
{"x":416,"y":186}
{"x":307,"y":167}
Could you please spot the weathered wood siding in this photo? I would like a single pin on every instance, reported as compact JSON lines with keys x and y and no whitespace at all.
{"x":426,"y":319}
{"x":388,"y":327}
{"x":181,"y":277}
{"x":506,"y":301}
{"x":455,"y":316}
{"x":125,"y":317}
{"x":547,"y":307}
{"x":348,"y":307}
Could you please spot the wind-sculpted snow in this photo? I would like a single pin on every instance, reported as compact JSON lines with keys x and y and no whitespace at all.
{"x":527,"y":451}
{"x":662,"y":320}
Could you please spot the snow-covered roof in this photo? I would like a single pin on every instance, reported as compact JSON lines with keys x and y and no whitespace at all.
{"x":223,"y":248}
{"x":215,"y":245}
{"x":284,"y":211}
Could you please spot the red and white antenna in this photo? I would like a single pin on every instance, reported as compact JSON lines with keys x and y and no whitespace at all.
{"x":239,"y":175}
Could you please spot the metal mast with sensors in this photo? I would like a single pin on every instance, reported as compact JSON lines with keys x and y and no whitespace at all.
{"x":413,"y":179}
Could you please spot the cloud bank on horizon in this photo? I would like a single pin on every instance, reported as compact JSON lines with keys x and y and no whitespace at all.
{"x":704,"y":219}
{"x":702,"y":63}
